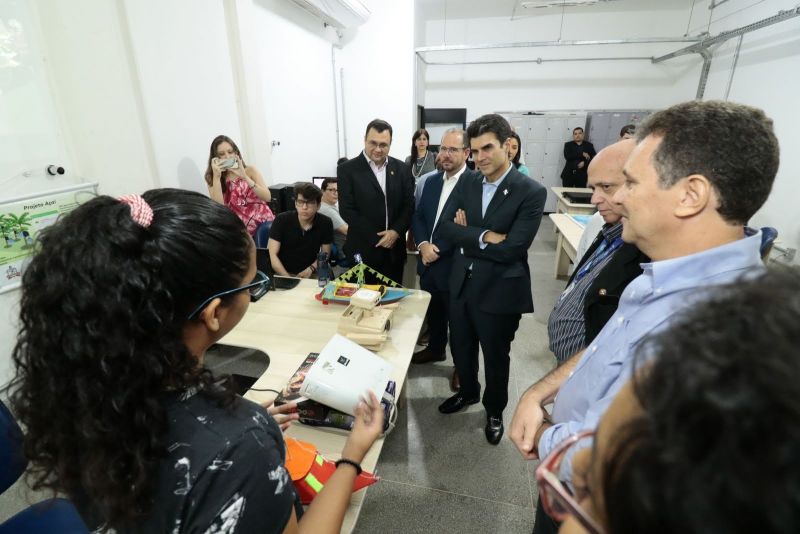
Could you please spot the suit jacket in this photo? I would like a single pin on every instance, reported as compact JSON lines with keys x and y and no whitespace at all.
{"x":499,"y":272}
{"x":361,"y":205}
{"x":422,"y":227}
{"x":603,"y":295}
{"x":573,"y":153}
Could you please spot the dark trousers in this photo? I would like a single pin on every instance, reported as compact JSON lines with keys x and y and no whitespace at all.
{"x":387,"y":262}
{"x":469,"y":327}
{"x":437,"y":316}
{"x":575,"y":180}
{"x":544,"y":523}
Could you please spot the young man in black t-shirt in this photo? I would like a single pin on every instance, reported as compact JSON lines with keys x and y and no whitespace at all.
{"x":297,"y":236}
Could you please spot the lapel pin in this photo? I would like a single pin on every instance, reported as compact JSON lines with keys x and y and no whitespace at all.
{"x":505,"y":191}
{"x":391,"y":172}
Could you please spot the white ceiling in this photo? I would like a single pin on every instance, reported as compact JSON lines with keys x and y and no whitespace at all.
{"x":462,"y":9}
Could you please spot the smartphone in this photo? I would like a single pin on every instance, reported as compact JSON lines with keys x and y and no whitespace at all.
{"x":228,"y":164}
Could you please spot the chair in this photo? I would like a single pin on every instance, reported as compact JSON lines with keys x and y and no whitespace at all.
{"x":262,"y":234}
{"x":337,"y":260}
{"x":51,"y":515}
{"x":768,"y":236}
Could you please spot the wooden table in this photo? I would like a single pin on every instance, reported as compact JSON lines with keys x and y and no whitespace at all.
{"x":569,"y":236}
{"x":565,"y":206}
{"x":287,"y":325}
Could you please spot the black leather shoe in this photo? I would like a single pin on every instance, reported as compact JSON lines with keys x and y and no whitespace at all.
{"x":456,"y":403}
{"x":427,"y":355}
{"x":494,"y":429}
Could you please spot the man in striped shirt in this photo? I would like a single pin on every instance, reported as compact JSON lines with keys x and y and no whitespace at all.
{"x":609,"y":265}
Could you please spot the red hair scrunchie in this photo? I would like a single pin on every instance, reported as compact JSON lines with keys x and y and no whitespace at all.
{"x":141,"y":212}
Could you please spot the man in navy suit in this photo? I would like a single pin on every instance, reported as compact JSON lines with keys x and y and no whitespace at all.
{"x":492,"y":219}
{"x":436,"y":254}
{"x":376,"y":199}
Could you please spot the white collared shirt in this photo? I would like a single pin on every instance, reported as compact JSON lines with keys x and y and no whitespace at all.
{"x":447,"y":188}
{"x":379,"y":172}
{"x":380,"y":175}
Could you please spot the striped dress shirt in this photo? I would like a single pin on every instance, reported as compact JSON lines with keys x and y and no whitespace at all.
{"x":566,"y":327}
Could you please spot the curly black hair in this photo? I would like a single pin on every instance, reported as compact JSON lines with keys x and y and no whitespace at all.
{"x":103,"y":308}
{"x":715,"y":450}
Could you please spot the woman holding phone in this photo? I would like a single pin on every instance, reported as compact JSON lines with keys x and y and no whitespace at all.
{"x":119,"y":305}
{"x":239,"y":187}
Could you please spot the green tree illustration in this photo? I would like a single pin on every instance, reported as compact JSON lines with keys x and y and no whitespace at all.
{"x":20,"y":224}
{"x":5,"y":227}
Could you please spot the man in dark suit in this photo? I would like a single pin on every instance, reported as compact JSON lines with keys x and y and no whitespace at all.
{"x":578,"y":154}
{"x":493,"y":219}
{"x":376,"y":199}
{"x":436,"y":254}
{"x":609,"y":265}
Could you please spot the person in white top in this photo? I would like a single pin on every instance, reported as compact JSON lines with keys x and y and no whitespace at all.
{"x":330,"y":208}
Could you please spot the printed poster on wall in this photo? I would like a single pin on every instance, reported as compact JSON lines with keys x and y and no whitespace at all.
{"x":21,"y":219}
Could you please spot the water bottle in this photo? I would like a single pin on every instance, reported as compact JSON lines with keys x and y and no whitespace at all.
{"x":323,"y":269}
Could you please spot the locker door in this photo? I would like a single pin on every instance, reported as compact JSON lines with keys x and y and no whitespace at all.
{"x":555,"y":128}
{"x":537,"y":128}
{"x":518,"y":124}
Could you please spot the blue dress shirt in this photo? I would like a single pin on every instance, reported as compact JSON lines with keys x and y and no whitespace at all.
{"x":646,"y":306}
{"x":489,"y":189}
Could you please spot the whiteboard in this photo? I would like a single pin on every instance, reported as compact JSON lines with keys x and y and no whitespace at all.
{"x":30,"y":134}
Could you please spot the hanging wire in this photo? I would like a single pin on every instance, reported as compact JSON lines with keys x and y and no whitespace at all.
{"x":689,"y":22}
{"x":561,"y":29}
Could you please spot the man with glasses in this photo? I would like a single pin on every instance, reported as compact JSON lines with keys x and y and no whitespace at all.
{"x":609,"y":265}
{"x":689,"y":190}
{"x":435,"y":259}
{"x":376,"y":199}
{"x":330,"y":208}
{"x":297,"y":236}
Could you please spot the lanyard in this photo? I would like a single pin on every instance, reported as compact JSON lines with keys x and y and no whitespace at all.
{"x":603,"y":250}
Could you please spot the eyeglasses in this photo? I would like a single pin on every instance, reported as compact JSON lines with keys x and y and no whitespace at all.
{"x":451,"y":150}
{"x":373,"y":145}
{"x":257,"y":289}
{"x":304,"y":203}
{"x":557,"y":499}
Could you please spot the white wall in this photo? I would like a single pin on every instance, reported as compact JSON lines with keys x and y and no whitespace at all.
{"x":295,"y":57}
{"x":560,"y":85}
{"x":185,"y":77}
{"x":378,"y":62}
{"x":767,"y":76}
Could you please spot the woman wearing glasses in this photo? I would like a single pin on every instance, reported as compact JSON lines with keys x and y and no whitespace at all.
{"x":238,"y":186}
{"x":421,"y":160}
{"x":119,"y":305}
{"x":703,"y":440}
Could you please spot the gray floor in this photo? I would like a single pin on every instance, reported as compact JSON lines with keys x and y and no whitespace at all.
{"x":438,"y":473}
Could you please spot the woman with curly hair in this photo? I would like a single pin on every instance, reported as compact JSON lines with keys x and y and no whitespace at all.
{"x":238,"y":186}
{"x":119,"y":304}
